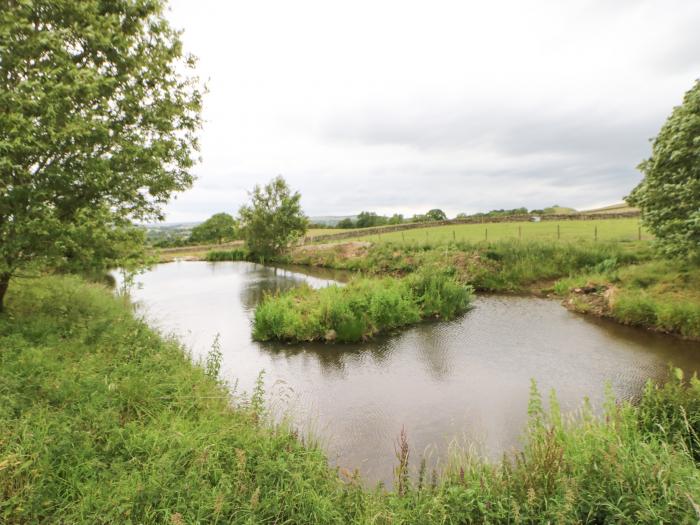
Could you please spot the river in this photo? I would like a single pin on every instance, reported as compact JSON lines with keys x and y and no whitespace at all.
{"x":463,"y":383}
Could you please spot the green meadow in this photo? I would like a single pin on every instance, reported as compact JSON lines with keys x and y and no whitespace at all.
{"x":566,"y":230}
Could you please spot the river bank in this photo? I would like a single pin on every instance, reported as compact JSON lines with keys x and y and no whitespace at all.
{"x":106,"y":421}
{"x":466,"y":379}
{"x":624,"y":282}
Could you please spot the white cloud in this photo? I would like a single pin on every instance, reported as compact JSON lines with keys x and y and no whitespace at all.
{"x":405,"y":106}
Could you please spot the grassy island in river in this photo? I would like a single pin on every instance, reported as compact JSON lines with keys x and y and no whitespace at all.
{"x":361,"y":309}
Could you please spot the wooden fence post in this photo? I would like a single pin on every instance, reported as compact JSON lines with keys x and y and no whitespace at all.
{"x":595,"y":233}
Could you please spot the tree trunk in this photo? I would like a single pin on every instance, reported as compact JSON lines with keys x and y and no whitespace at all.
{"x":4,"y":283}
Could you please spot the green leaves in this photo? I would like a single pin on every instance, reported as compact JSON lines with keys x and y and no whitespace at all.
{"x":100,"y":113}
{"x":218,"y":228}
{"x":273,"y":220}
{"x":669,"y":195}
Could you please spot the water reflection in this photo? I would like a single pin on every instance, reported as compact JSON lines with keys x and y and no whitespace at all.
{"x":467,"y":379}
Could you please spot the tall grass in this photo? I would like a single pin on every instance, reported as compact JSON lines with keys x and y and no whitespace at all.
{"x":502,"y":266}
{"x":104,"y":421}
{"x":234,"y":254}
{"x":662,"y":295}
{"x":360,"y":310}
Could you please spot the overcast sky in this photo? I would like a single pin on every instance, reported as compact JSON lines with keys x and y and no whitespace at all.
{"x":401,"y":106}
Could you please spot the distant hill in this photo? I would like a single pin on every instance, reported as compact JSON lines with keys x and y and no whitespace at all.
{"x":172,"y":225}
{"x":559,"y":210}
{"x":613,"y":208}
{"x":169,"y":231}
{"x":331,"y":220}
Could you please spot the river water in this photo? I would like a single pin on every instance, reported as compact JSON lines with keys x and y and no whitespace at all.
{"x":463,"y":383}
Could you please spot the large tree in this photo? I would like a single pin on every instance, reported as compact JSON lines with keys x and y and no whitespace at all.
{"x":273,"y":219}
{"x":669,"y":194}
{"x":99,"y":111}
{"x":219,"y":227}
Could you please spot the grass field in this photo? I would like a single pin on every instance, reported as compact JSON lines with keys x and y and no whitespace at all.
{"x":569,"y":230}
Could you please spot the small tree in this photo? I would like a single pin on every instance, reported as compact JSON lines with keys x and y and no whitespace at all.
{"x":669,"y":194}
{"x":218,"y":228}
{"x":346,"y":224}
{"x":397,"y":218}
{"x":436,"y":215}
{"x":367,"y":219}
{"x":98,"y":122}
{"x":273,"y":219}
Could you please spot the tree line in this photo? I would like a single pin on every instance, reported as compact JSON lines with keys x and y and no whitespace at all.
{"x":367,"y":219}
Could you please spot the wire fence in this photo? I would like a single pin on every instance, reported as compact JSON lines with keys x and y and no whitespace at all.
{"x":619,"y":230}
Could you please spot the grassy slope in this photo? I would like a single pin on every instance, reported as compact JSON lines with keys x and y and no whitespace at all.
{"x":503,"y":266}
{"x":105,"y":422}
{"x":613,"y":208}
{"x":569,"y":230}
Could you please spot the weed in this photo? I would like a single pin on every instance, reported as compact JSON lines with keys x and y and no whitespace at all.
{"x":212,"y":364}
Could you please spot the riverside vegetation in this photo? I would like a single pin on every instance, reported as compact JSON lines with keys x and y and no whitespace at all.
{"x":624,"y":281}
{"x":104,"y":421}
{"x":661,"y":295}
